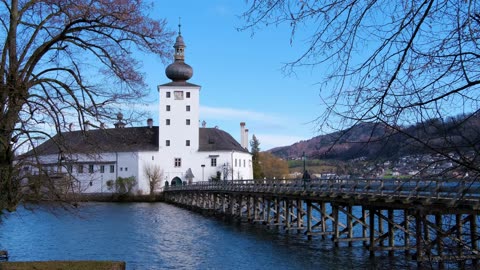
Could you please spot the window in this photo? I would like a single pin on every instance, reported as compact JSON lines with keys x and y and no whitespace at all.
{"x":168,"y":94}
{"x":167,"y":143}
{"x":235,"y":162}
{"x":168,"y":108}
{"x":102,"y":168}
{"x":244,"y":163}
{"x":188,"y":122}
{"x":187,"y":143}
{"x":167,"y":122}
{"x":178,"y":162}
{"x":153,"y":157}
{"x":213,"y":162}
{"x":121,"y":169}
{"x":188,"y":94}
{"x":188,"y":108}
{"x":178,"y":95}
{"x":69,"y":168}
{"x":80,"y":168}
{"x":112,"y":168}
{"x":126,"y":169}
{"x":90,"y":168}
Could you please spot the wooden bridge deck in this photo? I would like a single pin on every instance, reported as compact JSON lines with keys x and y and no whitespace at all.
{"x":461,"y":193}
{"x":436,"y":219}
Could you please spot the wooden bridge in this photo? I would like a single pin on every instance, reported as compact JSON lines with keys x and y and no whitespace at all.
{"x":432,"y":221}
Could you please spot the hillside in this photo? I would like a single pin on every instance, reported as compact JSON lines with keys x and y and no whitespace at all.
{"x":377,"y":141}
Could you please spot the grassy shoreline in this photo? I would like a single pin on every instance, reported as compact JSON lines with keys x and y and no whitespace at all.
{"x":63,"y":265}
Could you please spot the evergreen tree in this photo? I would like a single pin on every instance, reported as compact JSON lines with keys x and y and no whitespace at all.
{"x":257,"y":169}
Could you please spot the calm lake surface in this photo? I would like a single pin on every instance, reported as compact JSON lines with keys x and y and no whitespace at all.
{"x":162,"y":236}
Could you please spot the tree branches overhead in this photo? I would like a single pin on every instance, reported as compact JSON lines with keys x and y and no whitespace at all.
{"x":386,"y":58}
{"x":55,"y":52}
{"x":396,"y":63}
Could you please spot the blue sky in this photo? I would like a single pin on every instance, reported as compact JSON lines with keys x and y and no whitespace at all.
{"x":240,"y":74}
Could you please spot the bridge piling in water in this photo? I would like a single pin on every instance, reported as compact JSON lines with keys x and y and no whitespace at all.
{"x":437,"y":224}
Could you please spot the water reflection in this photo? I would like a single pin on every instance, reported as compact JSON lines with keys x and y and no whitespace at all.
{"x":161,"y":236}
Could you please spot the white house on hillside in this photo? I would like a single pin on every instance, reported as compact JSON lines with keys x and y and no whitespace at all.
{"x":182,"y":149}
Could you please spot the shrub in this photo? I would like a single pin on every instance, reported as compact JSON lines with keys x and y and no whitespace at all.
{"x":125,"y":185}
{"x":110,"y":184}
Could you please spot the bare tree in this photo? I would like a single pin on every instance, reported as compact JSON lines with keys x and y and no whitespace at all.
{"x":154,"y":174}
{"x":63,"y":61}
{"x":227,"y":171}
{"x":398,"y":64}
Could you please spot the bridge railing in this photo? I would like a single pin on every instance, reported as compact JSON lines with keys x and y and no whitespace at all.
{"x":458,"y":189}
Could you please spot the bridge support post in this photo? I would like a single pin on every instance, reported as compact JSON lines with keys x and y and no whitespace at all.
{"x":249,"y":208}
{"x":406,"y":240}
{"x":299,"y":215}
{"x":419,"y":240}
{"x":459,"y":234}
{"x":323,"y":218}
{"x":371,"y":214}
{"x":391,"y":239}
{"x":287,"y":215}
{"x":474,"y":237}
{"x":364,"y":228}
{"x":268,"y":202}
{"x":349,"y":225}
{"x":439,"y":240}
{"x":232,"y":204}
{"x":380,"y":227}
{"x":309,"y":220}
{"x":335,"y":224}
{"x":255,"y":208}
{"x":278,"y":219}
{"x":224,"y":202}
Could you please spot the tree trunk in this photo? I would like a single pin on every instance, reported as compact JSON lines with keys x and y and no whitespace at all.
{"x":9,"y":184}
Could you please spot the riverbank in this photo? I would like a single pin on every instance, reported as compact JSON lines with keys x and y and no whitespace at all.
{"x":63,"y":265}
{"x":115,"y":197}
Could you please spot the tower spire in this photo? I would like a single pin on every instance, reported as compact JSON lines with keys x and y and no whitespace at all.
{"x":179,"y":70}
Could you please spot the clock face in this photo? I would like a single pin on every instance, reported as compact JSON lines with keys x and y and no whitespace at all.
{"x":178,"y":94}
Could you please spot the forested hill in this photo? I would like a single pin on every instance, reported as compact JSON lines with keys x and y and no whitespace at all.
{"x":374,"y":140}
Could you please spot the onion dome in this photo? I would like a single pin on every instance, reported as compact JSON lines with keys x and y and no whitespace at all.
{"x":179,"y":71}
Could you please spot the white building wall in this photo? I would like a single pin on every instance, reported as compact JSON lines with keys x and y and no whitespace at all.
{"x":146,"y":159}
{"x":126,"y":164}
{"x":226,"y":160}
{"x":174,"y":131}
{"x":87,"y":172}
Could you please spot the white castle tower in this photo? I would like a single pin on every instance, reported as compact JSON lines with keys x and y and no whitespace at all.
{"x":178,"y":113}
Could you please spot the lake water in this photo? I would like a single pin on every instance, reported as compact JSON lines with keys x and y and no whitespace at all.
{"x":162,"y":236}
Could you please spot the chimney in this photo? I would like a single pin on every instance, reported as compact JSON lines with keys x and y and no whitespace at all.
{"x":246,"y":139}
{"x":86,"y":125}
{"x":242,"y":134}
{"x":150,"y":122}
{"x":102,"y":125}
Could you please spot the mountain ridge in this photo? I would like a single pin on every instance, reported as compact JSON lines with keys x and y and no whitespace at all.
{"x":369,"y":140}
